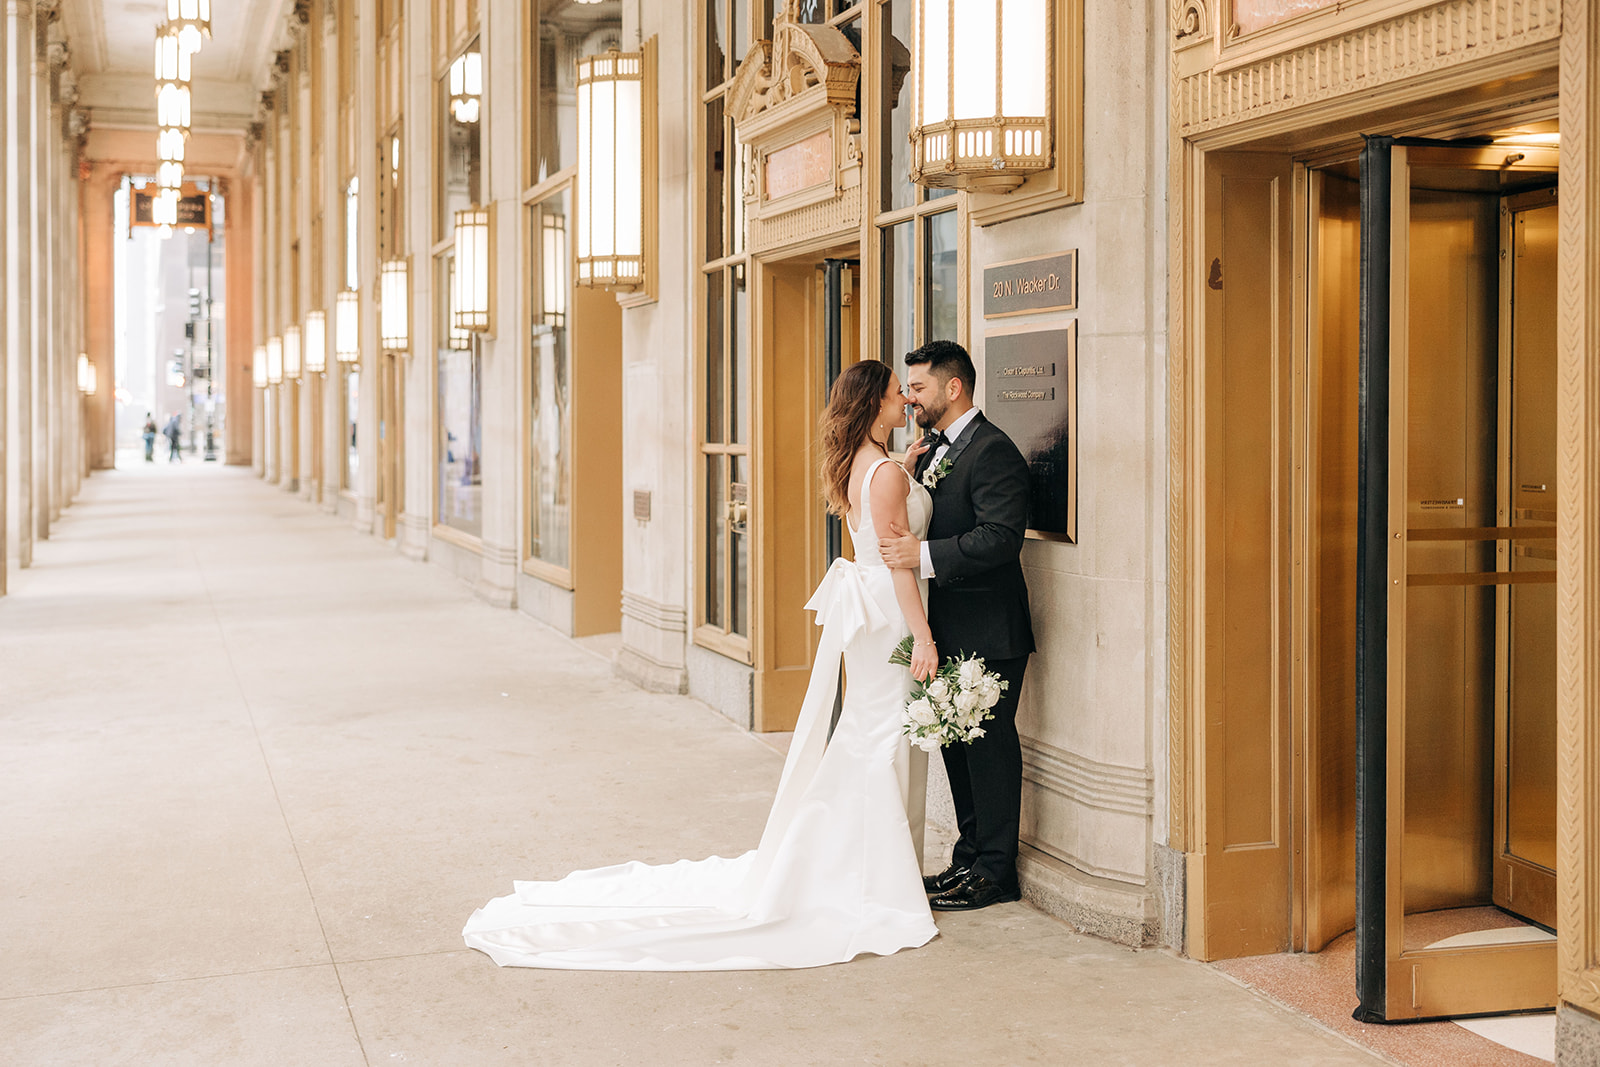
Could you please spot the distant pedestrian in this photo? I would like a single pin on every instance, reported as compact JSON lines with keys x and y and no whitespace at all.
{"x":174,"y":434}
{"x":149,"y":438}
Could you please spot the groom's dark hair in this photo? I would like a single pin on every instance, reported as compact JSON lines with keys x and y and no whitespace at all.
{"x":947,"y":360}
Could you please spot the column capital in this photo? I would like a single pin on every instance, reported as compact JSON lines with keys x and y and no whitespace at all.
{"x":19,"y":8}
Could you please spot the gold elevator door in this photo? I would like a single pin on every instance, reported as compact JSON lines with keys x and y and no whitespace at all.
{"x":1468,"y":858}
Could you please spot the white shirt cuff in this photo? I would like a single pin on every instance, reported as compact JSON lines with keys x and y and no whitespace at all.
{"x":927,"y":561}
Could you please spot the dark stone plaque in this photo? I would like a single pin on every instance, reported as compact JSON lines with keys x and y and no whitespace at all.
{"x":1023,"y":286}
{"x":1031,"y":392}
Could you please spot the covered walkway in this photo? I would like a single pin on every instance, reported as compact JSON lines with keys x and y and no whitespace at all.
{"x":257,"y":770}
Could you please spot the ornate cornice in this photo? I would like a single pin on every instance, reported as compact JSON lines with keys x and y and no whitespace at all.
{"x":1343,"y":63}
{"x":801,"y":61}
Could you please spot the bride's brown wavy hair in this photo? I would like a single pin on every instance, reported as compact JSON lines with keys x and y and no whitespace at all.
{"x":852,"y":410}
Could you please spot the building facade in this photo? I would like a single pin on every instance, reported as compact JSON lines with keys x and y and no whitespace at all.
{"x":1292,"y":306}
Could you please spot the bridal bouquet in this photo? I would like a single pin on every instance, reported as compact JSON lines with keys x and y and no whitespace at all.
{"x":952,"y":705}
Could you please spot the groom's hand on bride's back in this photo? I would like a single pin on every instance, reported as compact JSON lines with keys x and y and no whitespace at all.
{"x":900,"y":549}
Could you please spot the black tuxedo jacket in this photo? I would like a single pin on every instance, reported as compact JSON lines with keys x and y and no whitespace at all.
{"x":978,"y":600}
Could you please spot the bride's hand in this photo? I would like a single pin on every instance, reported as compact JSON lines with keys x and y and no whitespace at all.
{"x":924,"y":660}
{"x":918,"y":447}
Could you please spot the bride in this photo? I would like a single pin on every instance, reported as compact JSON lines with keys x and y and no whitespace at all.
{"x":836,"y":873}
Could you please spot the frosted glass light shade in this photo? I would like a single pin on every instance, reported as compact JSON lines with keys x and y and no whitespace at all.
{"x":93,"y":384}
{"x":170,"y":144}
{"x":291,"y":353}
{"x":474,"y":286}
{"x":611,"y":170}
{"x":394,"y":321}
{"x":173,"y":106}
{"x":190,"y":20}
{"x":316,"y":342}
{"x":169,"y":176}
{"x":274,"y":360}
{"x":172,"y":60}
{"x":258,"y":367}
{"x":83,"y":372}
{"x":466,"y":87}
{"x":164,"y":208}
{"x":347,"y":326}
{"x":984,"y":85}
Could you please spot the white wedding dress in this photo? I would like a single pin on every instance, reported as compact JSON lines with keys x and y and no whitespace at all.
{"x":836,"y":873}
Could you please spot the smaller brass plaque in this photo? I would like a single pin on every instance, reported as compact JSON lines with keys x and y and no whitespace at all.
{"x":1023,"y":286}
{"x":641,"y":505}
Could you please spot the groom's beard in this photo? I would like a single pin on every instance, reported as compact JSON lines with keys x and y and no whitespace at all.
{"x":927,"y":417}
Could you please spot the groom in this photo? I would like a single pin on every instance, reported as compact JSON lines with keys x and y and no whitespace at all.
{"x":977,"y":604}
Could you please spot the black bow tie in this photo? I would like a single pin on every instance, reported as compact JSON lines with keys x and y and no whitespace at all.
{"x":935,"y":438}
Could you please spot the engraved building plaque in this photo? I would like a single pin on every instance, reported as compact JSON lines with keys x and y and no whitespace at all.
{"x":1030,"y":392}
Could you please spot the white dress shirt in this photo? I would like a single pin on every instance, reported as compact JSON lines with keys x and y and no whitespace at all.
{"x":951,"y":432}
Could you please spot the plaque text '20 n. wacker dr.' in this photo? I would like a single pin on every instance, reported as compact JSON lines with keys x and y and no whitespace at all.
{"x":1047,"y":283}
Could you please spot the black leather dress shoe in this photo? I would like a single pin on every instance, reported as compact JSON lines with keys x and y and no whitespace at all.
{"x":973,"y":893}
{"x":946,"y":879}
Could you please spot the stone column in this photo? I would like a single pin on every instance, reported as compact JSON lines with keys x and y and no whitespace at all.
{"x":304,"y":210}
{"x":45,"y":266}
{"x":419,"y":187}
{"x":22,"y":174}
{"x":503,"y":388}
{"x":660,"y":358}
{"x":99,"y":293}
{"x":5,"y":281}
{"x":241,"y":443}
{"x":366,"y":488}
{"x":332,"y":253}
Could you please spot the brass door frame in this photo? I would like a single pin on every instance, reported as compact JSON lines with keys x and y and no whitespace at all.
{"x":1431,"y":982}
{"x":1521,"y":886}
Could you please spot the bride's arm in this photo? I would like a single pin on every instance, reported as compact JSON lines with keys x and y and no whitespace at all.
{"x":889,"y":490}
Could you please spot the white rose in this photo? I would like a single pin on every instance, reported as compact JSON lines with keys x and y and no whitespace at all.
{"x":970,"y":673}
{"x":966,"y":701}
{"x":921,"y":713}
{"x":989,"y":694}
{"x":938,"y":689}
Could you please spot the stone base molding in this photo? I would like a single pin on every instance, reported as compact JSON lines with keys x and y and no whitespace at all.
{"x":498,"y":585}
{"x":413,"y":535}
{"x":653,"y":639}
{"x":1113,"y":910}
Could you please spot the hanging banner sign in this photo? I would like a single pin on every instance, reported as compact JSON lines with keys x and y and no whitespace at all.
{"x":194,"y":207}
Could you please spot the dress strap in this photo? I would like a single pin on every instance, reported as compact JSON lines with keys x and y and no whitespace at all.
{"x":866,"y":491}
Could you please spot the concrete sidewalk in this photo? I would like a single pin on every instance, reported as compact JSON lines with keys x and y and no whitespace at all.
{"x":256,"y":770}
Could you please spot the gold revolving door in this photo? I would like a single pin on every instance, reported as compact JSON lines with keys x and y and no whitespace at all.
{"x":1455,"y":580}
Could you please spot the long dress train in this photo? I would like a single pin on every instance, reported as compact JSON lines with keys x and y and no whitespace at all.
{"x":836,"y":873}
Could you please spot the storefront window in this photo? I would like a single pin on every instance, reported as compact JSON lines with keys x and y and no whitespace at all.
{"x":461,"y":138}
{"x":919,"y":230}
{"x":549,"y":461}
{"x":725,"y":403}
{"x":352,"y":425}
{"x":460,"y":422}
{"x":560,"y":34}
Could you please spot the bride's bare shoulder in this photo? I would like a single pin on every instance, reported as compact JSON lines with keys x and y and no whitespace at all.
{"x":889,"y":483}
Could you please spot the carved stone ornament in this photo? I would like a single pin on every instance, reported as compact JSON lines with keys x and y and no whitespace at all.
{"x":77,"y":124}
{"x":793,"y":101}
{"x":1194,"y":23}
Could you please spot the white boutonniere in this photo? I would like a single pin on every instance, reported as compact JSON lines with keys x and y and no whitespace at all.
{"x":935,"y":474}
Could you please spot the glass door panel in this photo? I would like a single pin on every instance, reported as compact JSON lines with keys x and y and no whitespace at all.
{"x":1446,"y":632}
